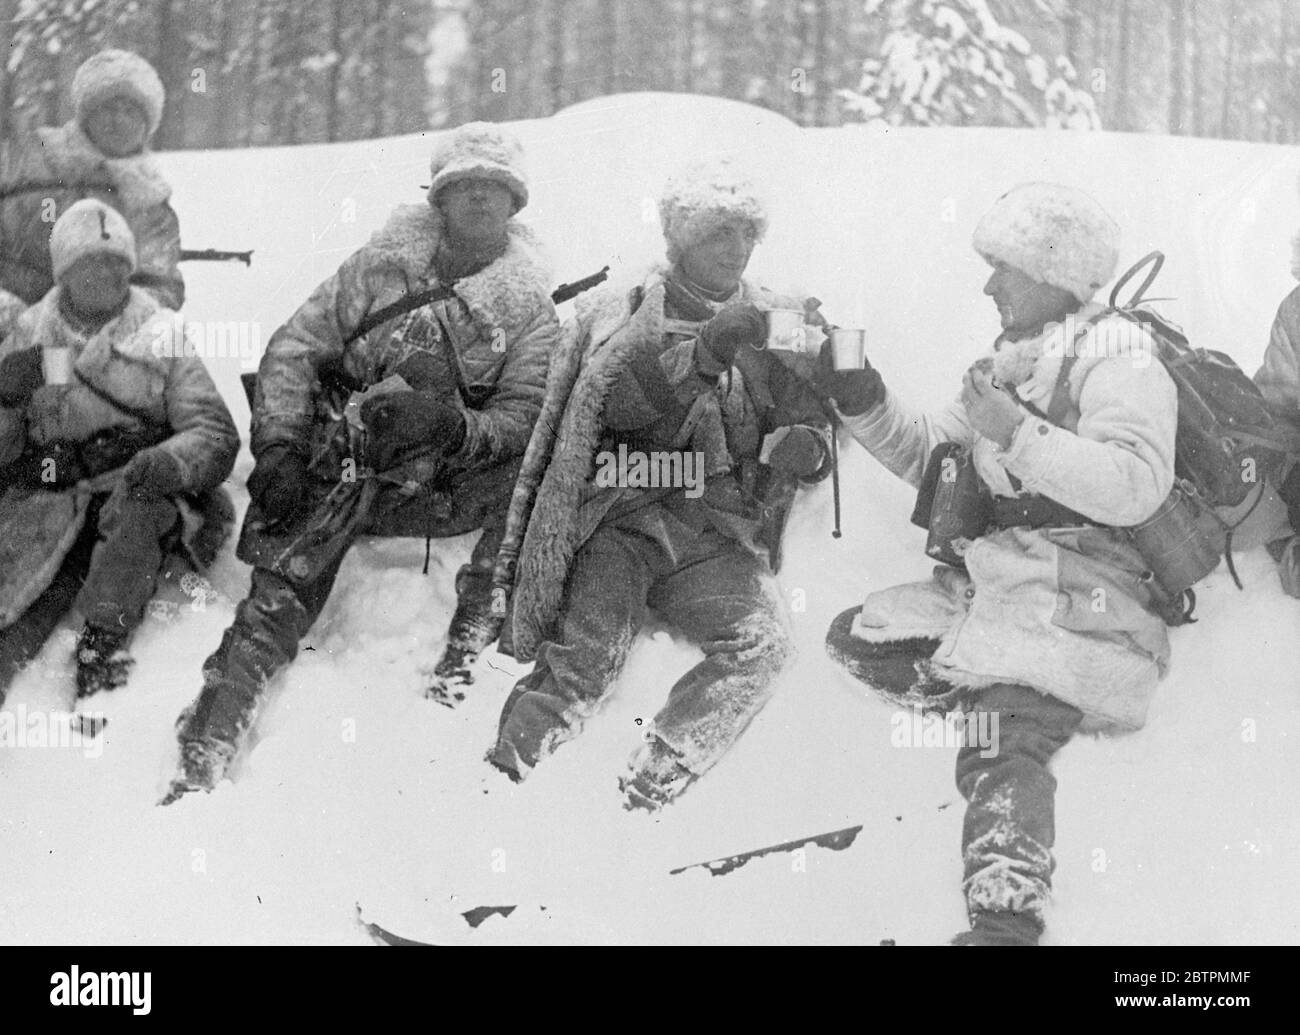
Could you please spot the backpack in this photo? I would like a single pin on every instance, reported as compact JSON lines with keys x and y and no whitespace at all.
{"x":1228,"y":444}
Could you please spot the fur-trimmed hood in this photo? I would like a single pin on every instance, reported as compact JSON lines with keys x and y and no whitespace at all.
{"x":506,"y":293}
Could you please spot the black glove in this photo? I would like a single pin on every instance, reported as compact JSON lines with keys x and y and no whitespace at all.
{"x":153,"y":474}
{"x":399,"y":423}
{"x":280,"y":484}
{"x":738,"y":324}
{"x":20,"y":376}
{"x":854,"y":391}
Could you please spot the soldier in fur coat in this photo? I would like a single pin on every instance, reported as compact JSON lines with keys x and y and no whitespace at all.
{"x":102,"y":152}
{"x":110,"y":428}
{"x":670,"y":368}
{"x":437,"y":457}
{"x":1050,"y":624}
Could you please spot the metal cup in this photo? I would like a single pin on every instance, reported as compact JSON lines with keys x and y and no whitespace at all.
{"x":785,"y":330}
{"x":848,"y":348}
{"x":56,"y":365}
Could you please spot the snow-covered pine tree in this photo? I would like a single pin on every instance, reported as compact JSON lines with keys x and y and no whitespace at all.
{"x":952,"y":62}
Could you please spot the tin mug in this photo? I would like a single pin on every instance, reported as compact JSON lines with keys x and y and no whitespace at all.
{"x":848,"y":348}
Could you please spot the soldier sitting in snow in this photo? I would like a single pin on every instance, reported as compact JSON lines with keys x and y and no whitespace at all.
{"x":440,"y":453}
{"x":1050,"y":622}
{"x":103,"y":153}
{"x":1279,"y":379}
{"x":669,"y":366}
{"x":104,"y":434}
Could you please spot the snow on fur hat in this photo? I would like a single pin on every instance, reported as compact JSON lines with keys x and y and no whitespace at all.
{"x":702,"y":197}
{"x":118,"y":73}
{"x":480,"y":150}
{"x":89,"y":227}
{"x":1053,"y":233}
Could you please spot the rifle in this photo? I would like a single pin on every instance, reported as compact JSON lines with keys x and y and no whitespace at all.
{"x":565,"y":292}
{"x":49,"y":186}
{"x":215,"y":255}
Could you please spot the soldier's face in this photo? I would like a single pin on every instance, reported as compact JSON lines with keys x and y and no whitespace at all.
{"x":97,"y":284}
{"x":117,"y":126}
{"x":1026,"y":305}
{"x":476,"y":210}
{"x":717,"y":261}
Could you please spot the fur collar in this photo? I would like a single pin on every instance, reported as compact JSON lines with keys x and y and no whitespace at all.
{"x":138,"y":180}
{"x":132,"y":333}
{"x":505,"y":293}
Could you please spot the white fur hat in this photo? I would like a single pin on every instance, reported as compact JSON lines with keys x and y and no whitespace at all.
{"x":1056,"y":234}
{"x":705,"y":195}
{"x":89,"y":227}
{"x":118,"y":73}
{"x":480,"y":150}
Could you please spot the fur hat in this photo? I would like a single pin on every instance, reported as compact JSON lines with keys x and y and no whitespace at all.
{"x":480,"y":150}
{"x":702,"y":197}
{"x":89,"y":227}
{"x":118,"y":73}
{"x":1053,"y":233}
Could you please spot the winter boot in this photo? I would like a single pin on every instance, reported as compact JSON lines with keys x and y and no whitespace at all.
{"x":473,"y":628}
{"x":102,"y":660}
{"x":203,"y":763}
{"x":657,"y":778}
{"x":988,"y":927}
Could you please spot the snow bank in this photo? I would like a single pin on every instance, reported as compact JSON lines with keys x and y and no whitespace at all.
{"x":359,"y":791}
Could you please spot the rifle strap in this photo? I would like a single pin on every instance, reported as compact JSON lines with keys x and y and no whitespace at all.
{"x":404,"y":305}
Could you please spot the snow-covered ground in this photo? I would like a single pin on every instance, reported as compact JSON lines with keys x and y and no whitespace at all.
{"x":359,"y":791}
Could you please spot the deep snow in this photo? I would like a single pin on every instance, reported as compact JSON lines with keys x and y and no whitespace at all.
{"x":360,"y":791}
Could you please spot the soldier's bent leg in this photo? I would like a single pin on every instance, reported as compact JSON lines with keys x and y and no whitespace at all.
{"x":728,"y":604}
{"x":474,"y":626}
{"x":603,"y":609}
{"x":125,"y":565}
{"x":268,"y":626}
{"x":1009,"y":827}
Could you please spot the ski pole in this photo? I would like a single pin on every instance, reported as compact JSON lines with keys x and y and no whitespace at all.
{"x":835,"y":475}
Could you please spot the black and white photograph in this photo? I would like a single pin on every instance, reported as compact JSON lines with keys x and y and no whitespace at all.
{"x":650,"y":473}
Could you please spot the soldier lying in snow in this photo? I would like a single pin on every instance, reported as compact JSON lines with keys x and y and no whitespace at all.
{"x":104,"y":436}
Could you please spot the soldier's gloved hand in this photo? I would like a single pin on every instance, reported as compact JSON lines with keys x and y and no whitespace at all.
{"x":402,"y":422}
{"x":854,"y":391}
{"x":740,"y":324}
{"x":280,"y":484}
{"x":20,"y":376}
{"x":154,"y":474}
{"x":800,"y":452}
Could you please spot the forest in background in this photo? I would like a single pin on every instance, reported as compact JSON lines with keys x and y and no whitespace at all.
{"x":257,"y":72}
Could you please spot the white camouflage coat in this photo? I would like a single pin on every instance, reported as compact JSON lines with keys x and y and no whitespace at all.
{"x":1059,"y":609}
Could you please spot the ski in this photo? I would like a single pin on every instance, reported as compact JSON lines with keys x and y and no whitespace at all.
{"x":835,"y":840}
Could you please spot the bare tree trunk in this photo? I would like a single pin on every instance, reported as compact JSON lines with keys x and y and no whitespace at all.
{"x":820,"y":79}
{"x":1283,"y":103}
{"x":1198,"y":69}
{"x":335,"y":72}
{"x":379,"y":117}
{"x":1229,"y":70}
{"x":557,"y":70}
{"x":1177,"y":64}
{"x":1122,"y":87}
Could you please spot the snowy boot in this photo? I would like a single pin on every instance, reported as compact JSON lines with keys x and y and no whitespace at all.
{"x":203,"y":763}
{"x":474,"y":627}
{"x":102,"y":660}
{"x":657,"y":778}
{"x":1002,"y":927}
